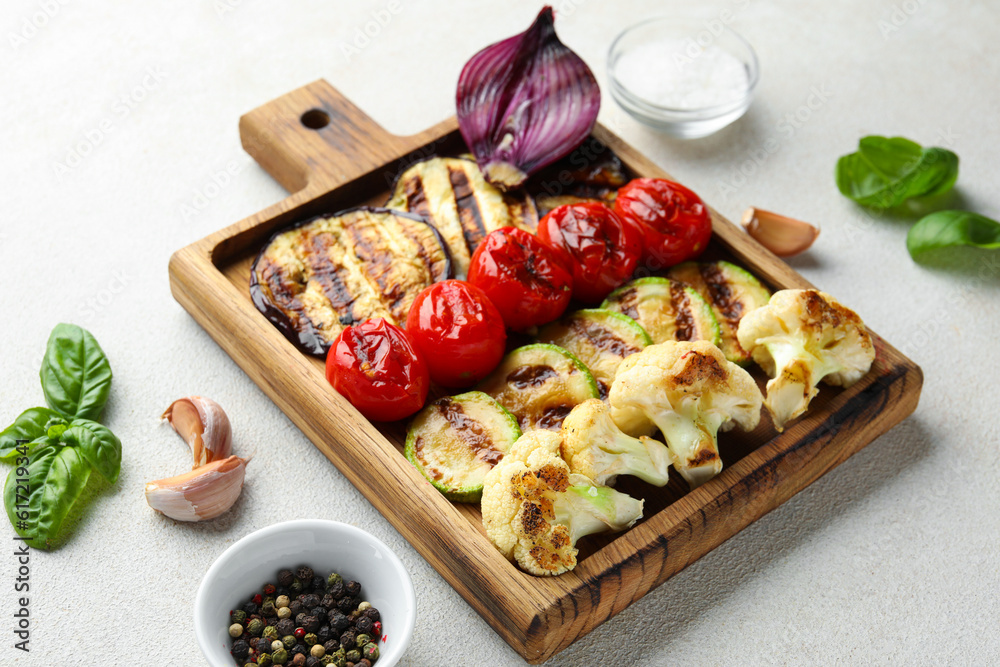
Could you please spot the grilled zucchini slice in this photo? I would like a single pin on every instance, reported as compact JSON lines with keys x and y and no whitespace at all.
{"x":456,"y":440}
{"x":322,"y":275}
{"x":599,"y":338}
{"x":539,"y":384}
{"x":452,"y":194}
{"x":666,"y":309}
{"x":731,"y":291}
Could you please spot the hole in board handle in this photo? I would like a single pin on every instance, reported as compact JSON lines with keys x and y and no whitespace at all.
{"x":315,"y":119}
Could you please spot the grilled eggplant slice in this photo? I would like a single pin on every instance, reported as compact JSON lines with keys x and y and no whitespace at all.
{"x":454,"y":197}
{"x":599,"y":338}
{"x":731,"y":292}
{"x":539,"y":384}
{"x":325,"y":274}
{"x":666,"y":309}
{"x":456,"y":440}
{"x":590,"y":173}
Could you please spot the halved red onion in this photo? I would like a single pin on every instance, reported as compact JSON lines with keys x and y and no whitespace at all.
{"x":525,"y":102}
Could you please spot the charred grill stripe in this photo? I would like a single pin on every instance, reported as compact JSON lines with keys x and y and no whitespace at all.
{"x":628,"y":303}
{"x":471,"y":432}
{"x":325,"y":272}
{"x":468,"y":208}
{"x":601,"y":338}
{"x":683,"y":319}
{"x":416,"y":197}
{"x":375,"y":264}
{"x":723,"y":297}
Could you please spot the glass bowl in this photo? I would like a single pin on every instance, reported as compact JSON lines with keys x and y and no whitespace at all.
{"x":664,"y":51}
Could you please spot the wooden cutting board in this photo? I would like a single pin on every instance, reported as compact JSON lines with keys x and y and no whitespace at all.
{"x":331,"y":156}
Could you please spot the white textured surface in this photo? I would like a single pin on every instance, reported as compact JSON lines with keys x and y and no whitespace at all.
{"x":890,"y":559}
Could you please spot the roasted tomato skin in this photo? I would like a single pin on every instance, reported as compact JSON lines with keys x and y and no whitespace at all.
{"x":597,"y":243}
{"x":522,"y":276}
{"x":458,"y":331}
{"x":675,"y":222}
{"x":375,"y":366}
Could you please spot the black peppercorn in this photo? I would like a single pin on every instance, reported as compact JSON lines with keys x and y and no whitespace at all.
{"x":310,"y":623}
{"x":331,"y":645}
{"x":346,"y":604}
{"x":338,"y":622}
{"x":250,"y":608}
{"x":328,"y":601}
{"x":347,"y":639}
{"x":285,"y":626}
{"x":263,"y":645}
{"x":241,"y":650}
{"x":285,"y":578}
{"x":300,"y":620}
{"x":313,"y":662}
{"x":323,"y":634}
{"x":373,"y":614}
{"x":296,"y":607}
{"x":336,"y":590}
{"x":364,"y":662}
{"x":364,"y":624}
{"x":305,"y":573}
{"x":311,"y":600}
{"x":298,"y":649}
{"x":281,"y":590}
{"x":319,"y":612}
{"x":353,"y":588}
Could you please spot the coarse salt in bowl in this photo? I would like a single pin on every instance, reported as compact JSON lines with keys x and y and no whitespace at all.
{"x":686,"y":77}
{"x":326,"y":546}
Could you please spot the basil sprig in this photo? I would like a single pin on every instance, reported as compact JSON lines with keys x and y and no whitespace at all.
{"x":885,"y":172}
{"x":64,"y":441}
{"x":945,"y":229}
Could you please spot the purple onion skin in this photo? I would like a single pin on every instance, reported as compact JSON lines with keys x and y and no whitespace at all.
{"x":525,"y":102}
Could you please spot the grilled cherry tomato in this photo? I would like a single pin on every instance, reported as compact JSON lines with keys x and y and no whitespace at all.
{"x":374,"y":365}
{"x":458,"y":332}
{"x":522,"y":276}
{"x":675,"y":223}
{"x":602,"y":248}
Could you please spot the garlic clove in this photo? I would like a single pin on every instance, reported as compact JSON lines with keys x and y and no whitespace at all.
{"x":200,"y":494}
{"x":780,"y":234}
{"x":204,"y":426}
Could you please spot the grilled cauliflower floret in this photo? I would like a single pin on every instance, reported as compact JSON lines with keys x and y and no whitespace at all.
{"x":800,"y":338}
{"x":534,"y":509}
{"x":594,"y":446}
{"x":690,"y":392}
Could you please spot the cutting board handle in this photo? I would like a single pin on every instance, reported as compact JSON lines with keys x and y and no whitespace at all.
{"x":315,"y":139}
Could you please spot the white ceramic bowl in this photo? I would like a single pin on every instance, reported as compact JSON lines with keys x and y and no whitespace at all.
{"x":325,"y":546}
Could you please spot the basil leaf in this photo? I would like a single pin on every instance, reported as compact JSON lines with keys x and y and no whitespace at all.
{"x":101,"y":448}
{"x":30,"y":425}
{"x":76,"y":376}
{"x":56,"y":478}
{"x":945,"y":229}
{"x":887,"y":171}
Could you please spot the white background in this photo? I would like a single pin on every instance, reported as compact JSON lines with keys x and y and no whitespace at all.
{"x":891,"y":559}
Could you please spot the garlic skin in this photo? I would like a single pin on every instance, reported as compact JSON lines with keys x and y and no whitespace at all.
{"x":200,"y":494}
{"x":780,"y":234}
{"x":204,"y":426}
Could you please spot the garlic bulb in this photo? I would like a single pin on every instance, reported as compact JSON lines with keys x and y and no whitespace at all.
{"x":204,"y":426}
{"x":200,"y":494}
{"x":780,"y":234}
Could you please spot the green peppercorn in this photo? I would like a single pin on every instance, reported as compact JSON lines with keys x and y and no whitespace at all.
{"x":339,"y":657}
{"x":237,"y":616}
{"x":310,"y":639}
{"x":333,"y":579}
{"x":264,"y":660}
{"x":268,"y":608}
{"x":353,"y":655}
{"x":361,"y":640}
{"x":270,"y":633}
{"x":289,"y":641}
{"x":280,"y":656}
{"x":281,"y":601}
{"x":370,"y":651}
{"x":296,"y":586}
{"x":235,"y":630}
{"x":255,"y":627}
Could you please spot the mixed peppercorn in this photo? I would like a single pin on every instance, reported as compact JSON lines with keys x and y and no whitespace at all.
{"x":306,"y":621}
